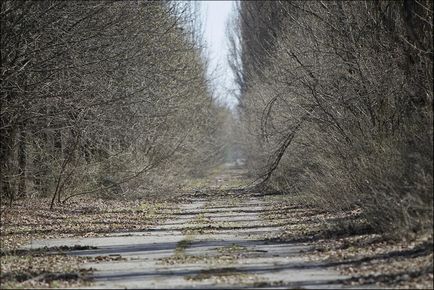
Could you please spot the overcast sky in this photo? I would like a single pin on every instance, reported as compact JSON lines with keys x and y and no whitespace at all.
{"x":215,"y":15}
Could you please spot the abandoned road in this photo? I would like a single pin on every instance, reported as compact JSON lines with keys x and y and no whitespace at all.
{"x":208,"y":242}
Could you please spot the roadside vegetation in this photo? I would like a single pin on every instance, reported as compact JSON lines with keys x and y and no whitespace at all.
{"x":103,"y":98}
{"x":336,"y":118}
{"x":336,"y":106}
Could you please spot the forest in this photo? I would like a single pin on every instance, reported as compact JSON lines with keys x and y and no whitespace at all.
{"x":111,"y":132}
{"x":336,"y":101}
{"x":96,"y":95}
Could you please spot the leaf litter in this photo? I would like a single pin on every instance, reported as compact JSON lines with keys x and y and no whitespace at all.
{"x":82,"y":217}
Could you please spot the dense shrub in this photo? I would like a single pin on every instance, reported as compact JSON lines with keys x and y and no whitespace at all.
{"x":338,"y":104}
{"x":97,"y":97}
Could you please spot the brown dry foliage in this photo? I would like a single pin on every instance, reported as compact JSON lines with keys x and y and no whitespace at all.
{"x":337,"y":103}
{"x":102,"y":97}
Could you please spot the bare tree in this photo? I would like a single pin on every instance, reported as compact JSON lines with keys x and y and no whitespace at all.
{"x":333,"y":104}
{"x":97,"y":95}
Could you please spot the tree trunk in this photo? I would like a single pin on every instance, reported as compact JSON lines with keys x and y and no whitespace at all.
{"x":22,"y":161}
{"x":6,"y":155}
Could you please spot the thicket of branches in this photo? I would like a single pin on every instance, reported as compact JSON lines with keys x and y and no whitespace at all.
{"x":336,"y":104}
{"x":98,"y":96}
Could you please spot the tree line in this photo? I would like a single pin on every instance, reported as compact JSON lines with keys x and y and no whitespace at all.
{"x":336,"y":104}
{"x":102,"y":97}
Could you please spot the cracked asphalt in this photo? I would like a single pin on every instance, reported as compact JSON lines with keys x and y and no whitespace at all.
{"x":208,"y":242}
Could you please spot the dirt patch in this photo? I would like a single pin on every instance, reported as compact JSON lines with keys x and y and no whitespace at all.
{"x":222,"y":255}
{"x":227,"y":275}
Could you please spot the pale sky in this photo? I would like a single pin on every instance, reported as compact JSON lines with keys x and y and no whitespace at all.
{"x":215,"y":15}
